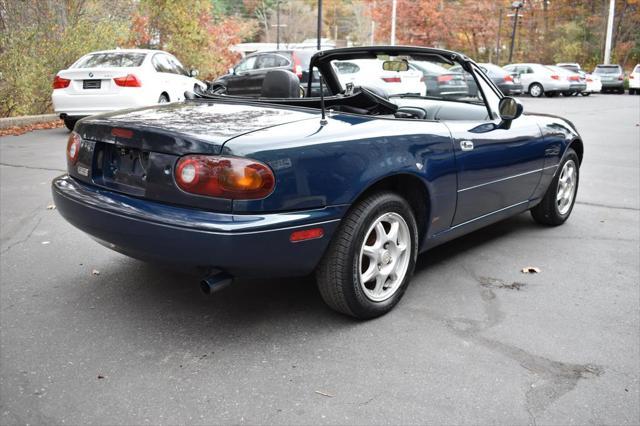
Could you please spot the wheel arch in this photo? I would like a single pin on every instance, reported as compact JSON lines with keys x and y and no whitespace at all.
{"x":578,"y":147}
{"x":164,"y":93}
{"x":409,"y":186}
{"x":534,"y":83}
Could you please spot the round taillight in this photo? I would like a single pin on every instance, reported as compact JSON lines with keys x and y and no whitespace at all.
{"x":224,"y":177}
{"x":73,"y":147}
{"x":187,"y":173}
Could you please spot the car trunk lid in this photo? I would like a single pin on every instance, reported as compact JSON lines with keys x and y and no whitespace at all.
{"x":135,"y":151}
{"x":92,"y":81}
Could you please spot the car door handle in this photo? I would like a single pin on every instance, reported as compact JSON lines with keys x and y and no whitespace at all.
{"x":466,"y":145}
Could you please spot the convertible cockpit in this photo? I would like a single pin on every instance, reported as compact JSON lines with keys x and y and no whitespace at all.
{"x":393,"y":82}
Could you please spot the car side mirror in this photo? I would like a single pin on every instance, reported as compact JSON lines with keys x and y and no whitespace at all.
{"x":510,"y":108}
{"x":194,"y":73}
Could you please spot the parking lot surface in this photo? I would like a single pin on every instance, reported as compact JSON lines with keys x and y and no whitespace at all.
{"x":89,"y":336}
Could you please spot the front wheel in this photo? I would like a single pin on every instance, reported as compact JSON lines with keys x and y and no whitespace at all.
{"x":163,"y":99}
{"x":558,"y":201}
{"x":370,"y":260}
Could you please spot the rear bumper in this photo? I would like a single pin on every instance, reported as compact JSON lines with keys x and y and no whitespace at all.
{"x":511,"y":89}
{"x":81,"y":105}
{"x":242,"y":245}
{"x":613,"y":84}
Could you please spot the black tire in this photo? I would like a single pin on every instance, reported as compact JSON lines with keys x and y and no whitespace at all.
{"x":338,"y":274}
{"x":163,"y":99}
{"x":70,"y":123}
{"x":547,"y":212}
{"x":585,"y":93}
{"x":537,"y":91}
{"x":567,"y":94}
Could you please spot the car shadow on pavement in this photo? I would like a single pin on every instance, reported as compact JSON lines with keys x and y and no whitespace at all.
{"x":146,"y":293}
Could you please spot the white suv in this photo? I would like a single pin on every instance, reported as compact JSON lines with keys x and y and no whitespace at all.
{"x":115,"y":79}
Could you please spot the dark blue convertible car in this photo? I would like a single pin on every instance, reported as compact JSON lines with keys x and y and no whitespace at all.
{"x":351,"y":186}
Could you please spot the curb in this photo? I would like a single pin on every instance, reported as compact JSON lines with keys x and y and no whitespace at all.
{"x":26,"y":120}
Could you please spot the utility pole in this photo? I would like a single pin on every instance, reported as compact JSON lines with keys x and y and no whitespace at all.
{"x":498,"y":38}
{"x":319,"y":31}
{"x":373,"y":32}
{"x":607,"y":43}
{"x":515,"y":5}
{"x":278,"y":25}
{"x":394,"y":4}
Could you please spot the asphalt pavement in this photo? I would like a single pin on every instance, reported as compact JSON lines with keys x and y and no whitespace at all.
{"x":88,"y":336}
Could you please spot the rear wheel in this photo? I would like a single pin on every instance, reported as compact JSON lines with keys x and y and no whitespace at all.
{"x":557,"y":204}
{"x":370,"y":260}
{"x":70,"y":123}
{"x":536,"y":90}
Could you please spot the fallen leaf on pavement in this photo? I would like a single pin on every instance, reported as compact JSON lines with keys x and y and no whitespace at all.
{"x":95,"y":272}
{"x":51,"y":207}
{"x":100,"y":376}
{"x":324,"y":394}
{"x":530,"y":270}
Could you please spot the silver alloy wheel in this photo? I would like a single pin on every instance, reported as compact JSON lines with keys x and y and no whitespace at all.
{"x":566,"y":187}
{"x":535,"y":91}
{"x":384,"y":257}
{"x":163,"y":99}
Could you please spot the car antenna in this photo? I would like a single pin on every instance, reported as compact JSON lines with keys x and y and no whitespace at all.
{"x":323,"y":118}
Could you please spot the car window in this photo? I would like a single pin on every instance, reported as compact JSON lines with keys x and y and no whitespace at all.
{"x":636,"y":69}
{"x":607,"y":69}
{"x":487,"y":94}
{"x":110,"y":60}
{"x":344,"y":67}
{"x":271,"y":61}
{"x":426,"y":80}
{"x":177,"y":67}
{"x":246,"y":65}
{"x":161,"y":63}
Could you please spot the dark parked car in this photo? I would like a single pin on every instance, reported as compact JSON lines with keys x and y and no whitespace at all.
{"x":508,"y":84}
{"x":612,"y":77}
{"x":352,"y":187}
{"x":441,"y":81}
{"x":245,"y":79}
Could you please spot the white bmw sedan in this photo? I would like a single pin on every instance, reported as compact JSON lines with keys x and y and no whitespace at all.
{"x":115,"y":79}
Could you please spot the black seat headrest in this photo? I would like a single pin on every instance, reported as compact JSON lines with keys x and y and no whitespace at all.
{"x":280,"y":84}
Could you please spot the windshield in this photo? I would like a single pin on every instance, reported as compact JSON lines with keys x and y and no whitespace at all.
{"x":110,"y":60}
{"x":573,"y":68}
{"x":407,"y":76}
{"x":607,"y":69}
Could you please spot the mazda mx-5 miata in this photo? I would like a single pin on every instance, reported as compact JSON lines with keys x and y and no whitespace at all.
{"x":351,"y":186}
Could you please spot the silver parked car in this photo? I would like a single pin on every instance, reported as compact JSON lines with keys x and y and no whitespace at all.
{"x":538,"y":79}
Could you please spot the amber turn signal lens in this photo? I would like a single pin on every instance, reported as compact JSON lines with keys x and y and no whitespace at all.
{"x":224,"y":177}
